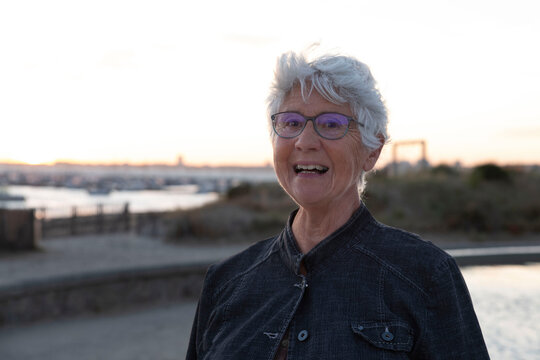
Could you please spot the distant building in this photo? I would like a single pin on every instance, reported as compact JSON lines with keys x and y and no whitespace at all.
{"x":180,"y":161}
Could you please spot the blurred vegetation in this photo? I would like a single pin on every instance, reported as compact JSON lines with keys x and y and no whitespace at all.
{"x":245,"y":213}
{"x":486,"y":199}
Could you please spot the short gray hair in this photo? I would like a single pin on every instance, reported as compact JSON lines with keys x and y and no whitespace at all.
{"x":339,"y":79}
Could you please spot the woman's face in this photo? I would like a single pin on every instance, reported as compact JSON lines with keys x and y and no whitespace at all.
{"x":342,"y":160}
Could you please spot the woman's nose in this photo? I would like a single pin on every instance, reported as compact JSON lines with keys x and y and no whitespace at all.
{"x":308,"y":139}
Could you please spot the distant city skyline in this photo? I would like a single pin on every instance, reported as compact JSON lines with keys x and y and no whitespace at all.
{"x":146,"y":82}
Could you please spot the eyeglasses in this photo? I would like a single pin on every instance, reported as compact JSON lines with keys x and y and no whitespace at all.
{"x":331,"y":126}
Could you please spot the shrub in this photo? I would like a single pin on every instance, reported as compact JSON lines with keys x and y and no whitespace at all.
{"x":489,"y":172}
{"x":444,"y":170}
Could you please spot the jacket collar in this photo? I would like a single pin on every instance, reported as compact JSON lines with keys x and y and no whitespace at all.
{"x":293,"y":257}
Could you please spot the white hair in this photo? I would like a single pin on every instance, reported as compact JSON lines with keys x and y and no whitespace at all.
{"x":339,"y":79}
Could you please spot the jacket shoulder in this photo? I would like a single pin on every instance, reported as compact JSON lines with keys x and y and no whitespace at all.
{"x":405,"y":254}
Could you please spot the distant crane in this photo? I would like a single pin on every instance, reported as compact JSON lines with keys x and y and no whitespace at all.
{"x":395,"y":146}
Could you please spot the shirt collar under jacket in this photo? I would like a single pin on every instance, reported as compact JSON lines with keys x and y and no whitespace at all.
{"x":293,"y":257}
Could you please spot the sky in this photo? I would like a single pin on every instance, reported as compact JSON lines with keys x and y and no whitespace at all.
{"x":148,"y":81}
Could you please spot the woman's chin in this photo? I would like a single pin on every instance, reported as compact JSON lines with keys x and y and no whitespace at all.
{"x":307,"y":198}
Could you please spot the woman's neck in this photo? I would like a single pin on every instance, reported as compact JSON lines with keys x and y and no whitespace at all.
{"x":312,"y":225}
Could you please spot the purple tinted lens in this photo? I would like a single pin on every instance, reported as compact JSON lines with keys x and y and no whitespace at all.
{"x":332,"y":125}
{"x":289,"y":124}
{"x":332,"y":121}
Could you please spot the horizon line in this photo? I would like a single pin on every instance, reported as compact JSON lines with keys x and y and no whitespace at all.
{"x":267,"y":164}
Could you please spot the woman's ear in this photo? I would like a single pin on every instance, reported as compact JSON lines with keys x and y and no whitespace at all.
{"x":373,"y":156}
{"x":372,"y":159}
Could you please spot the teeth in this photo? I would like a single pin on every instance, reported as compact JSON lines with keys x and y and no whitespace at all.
{"x":318,"y":168}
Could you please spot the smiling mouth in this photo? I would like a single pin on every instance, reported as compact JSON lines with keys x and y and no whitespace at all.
{"x":310,"y":169}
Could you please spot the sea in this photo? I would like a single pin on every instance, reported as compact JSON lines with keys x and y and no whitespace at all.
{"x":60,"y":201}
{"x":507,"y":303}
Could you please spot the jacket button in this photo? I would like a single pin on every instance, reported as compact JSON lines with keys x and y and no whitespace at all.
{"x":387,"y":336}
{"x":303,"y":335}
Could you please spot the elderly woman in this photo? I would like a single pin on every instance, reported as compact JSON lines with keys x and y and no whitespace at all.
{"x":335,"y":284}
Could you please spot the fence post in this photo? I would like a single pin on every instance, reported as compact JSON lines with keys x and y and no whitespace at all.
{"x":99,"y":218}
{"x":43,"y":215}
{"x":126,"y":217}
{"x":18,"y":229}
{"x":73,"y":220}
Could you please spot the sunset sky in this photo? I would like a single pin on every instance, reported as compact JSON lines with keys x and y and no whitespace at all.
{"x":148,"y":81}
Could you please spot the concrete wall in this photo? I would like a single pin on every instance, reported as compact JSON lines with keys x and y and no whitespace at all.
{"x":100,"y":292}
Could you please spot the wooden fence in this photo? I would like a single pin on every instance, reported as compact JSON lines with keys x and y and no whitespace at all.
{"x":22,"y":229}
{"x":102,"y":219}
{"x":86,"y":220}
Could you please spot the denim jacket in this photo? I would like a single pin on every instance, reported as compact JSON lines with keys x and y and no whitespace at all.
{"x":369,"y":292}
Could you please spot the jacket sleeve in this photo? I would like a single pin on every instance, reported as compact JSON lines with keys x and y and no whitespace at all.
{"x":192,"y":347}
{"x":451,"y":330}
{"x":201,"y":318}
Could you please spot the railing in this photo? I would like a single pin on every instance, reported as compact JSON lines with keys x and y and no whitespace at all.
{"x":80,"y":220}
{"x":22,"y":229}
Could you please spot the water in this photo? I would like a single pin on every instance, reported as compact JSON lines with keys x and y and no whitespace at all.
{"x":507,"y":303}
{"x":59,"y":201}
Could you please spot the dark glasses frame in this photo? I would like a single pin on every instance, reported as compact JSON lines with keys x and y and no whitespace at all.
{"x":313,"y":119}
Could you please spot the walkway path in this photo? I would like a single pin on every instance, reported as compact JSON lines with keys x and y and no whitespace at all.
{"x":160,"y":333}
{"x":90,"y":254}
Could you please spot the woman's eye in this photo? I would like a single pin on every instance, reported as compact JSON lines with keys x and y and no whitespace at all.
{"x":292,"y":123}
{"x":331,"y":124}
